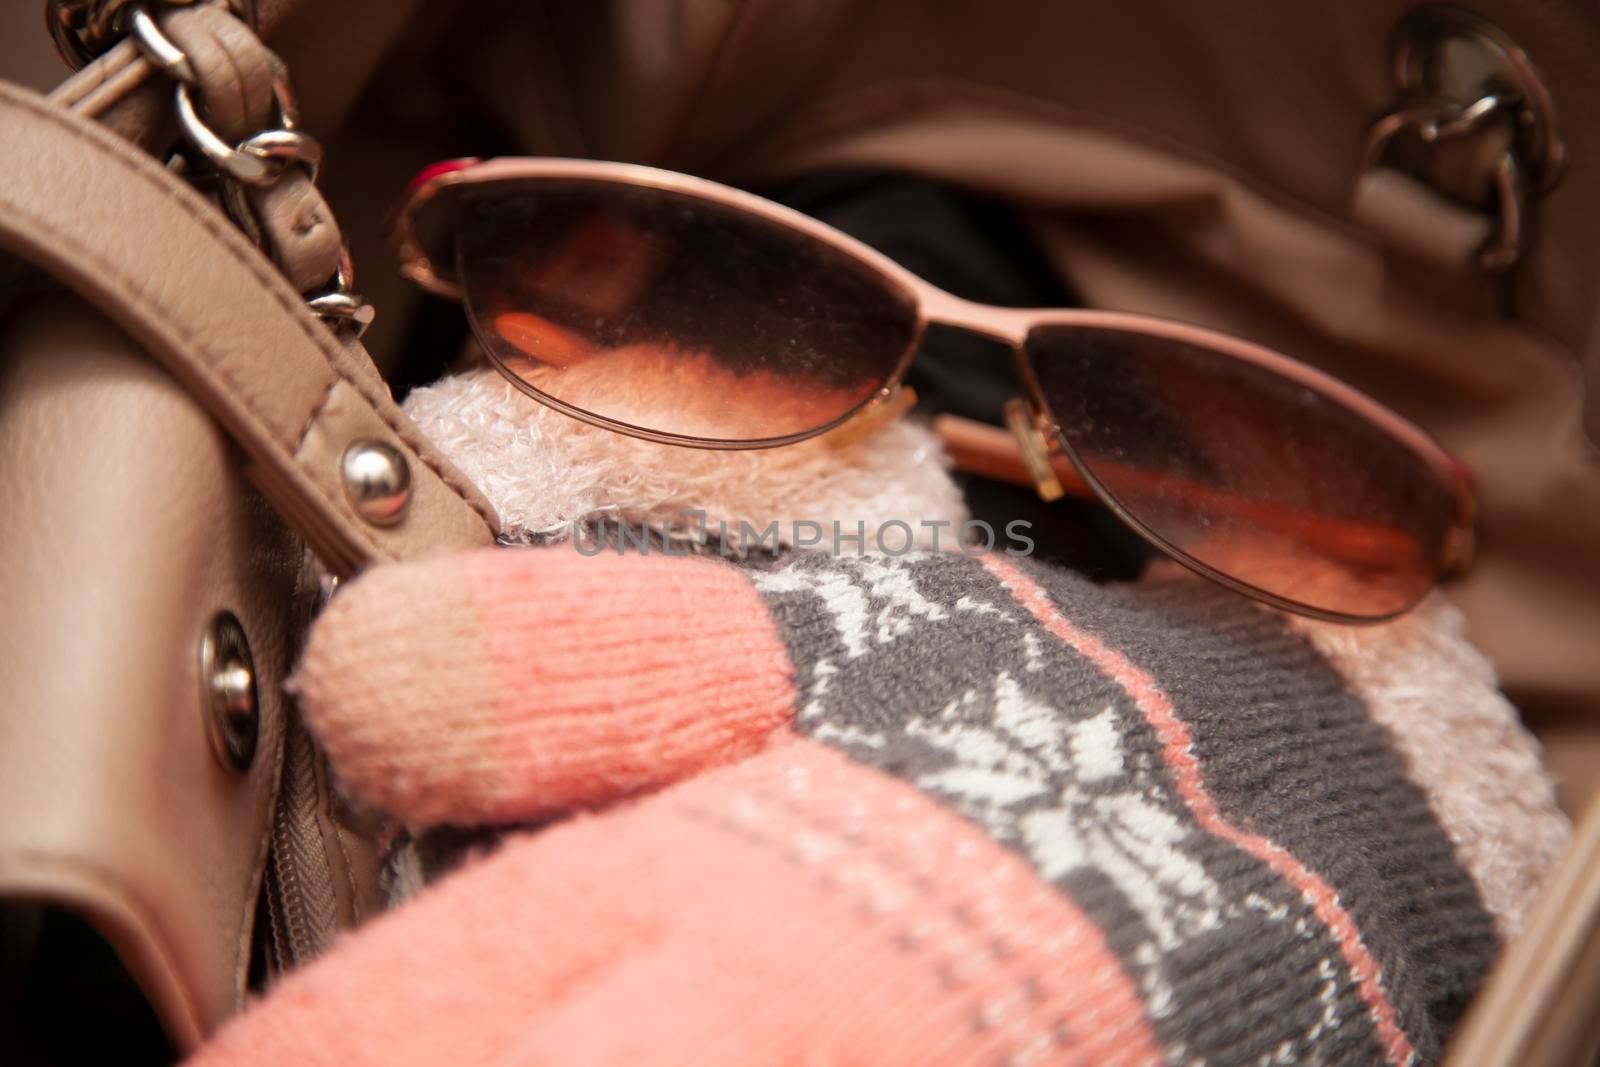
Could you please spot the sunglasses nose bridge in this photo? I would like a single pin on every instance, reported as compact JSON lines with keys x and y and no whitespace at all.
{"x":1009,"y":325}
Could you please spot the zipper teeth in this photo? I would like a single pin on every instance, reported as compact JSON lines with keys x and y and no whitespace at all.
{"x":302,"y":911}
{"x":269,"y":941}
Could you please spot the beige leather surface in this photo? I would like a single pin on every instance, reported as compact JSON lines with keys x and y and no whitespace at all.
{"x":113,"y":805}
{"x":125,"y":93}
{"x":136,"y":241}
{"x":300,"y":230}
{"x":126,"y":528}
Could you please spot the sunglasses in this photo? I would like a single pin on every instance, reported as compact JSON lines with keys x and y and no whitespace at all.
{"x":681,"y":311}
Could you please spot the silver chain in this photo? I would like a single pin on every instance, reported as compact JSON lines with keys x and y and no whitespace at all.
{"x":1434,"y":122}
{"x":83,"y":29}
{"x":1457,"y":76}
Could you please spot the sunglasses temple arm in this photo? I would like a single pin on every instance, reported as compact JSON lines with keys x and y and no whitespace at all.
{"x":991,"y":452}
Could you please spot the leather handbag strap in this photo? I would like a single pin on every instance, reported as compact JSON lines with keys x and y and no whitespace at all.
{"x":106,"y":220}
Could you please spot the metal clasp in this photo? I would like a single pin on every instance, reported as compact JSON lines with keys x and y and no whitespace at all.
{"x":1433,"y":123}
{"x":340,"y":306}
{"x":259,"y":161}
{"x":83,"y":29}
{"x":1456,"y":77}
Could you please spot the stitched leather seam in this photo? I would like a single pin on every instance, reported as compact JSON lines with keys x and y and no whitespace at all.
{"x":235,"y":80}
{"x":274,"y":283}
{"x":93,"y":76}
{"x":316,"y":413}
{"x":329,"y":826}
{"x":340,"y":839}
{"x":129,"y":96}
{"x":128,"y":291}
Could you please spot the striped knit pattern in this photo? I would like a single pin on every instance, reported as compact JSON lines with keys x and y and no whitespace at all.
{"x":1210,"y":812}
{"x":1195,"y":777}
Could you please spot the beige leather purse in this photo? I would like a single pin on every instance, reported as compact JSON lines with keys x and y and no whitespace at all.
{"x":179,"y":424}
{"x":1404,"y":196}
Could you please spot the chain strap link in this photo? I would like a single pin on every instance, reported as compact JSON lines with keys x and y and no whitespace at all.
{"x":84,"y":29}
{"x":229,"y":171}
{"x":1437,"y":121}
{"x":1459,"y":77}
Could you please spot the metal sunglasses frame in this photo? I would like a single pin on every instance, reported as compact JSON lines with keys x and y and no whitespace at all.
{"x":933,"y":306}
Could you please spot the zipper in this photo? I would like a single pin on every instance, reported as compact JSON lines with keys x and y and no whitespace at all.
{"x":299,"y":908}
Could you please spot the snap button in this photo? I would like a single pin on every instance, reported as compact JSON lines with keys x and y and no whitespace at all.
{"x":228,"y":690}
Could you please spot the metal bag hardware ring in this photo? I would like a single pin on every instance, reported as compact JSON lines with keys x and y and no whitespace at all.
{"x":158,"y":47}
{"x":340,"y":305}
{"x":259,"y":159}
{"x":1455,"y":73}
{"x":1444,"y":52}
{"x":83,"y":29}
{"x":1433,"y":122}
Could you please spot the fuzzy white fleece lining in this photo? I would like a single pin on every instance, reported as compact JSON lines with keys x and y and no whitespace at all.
{"x":543,"y":471}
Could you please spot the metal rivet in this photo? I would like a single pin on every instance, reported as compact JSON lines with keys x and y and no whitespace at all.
{"x":228,"y":689}
{"x":377,"y":479}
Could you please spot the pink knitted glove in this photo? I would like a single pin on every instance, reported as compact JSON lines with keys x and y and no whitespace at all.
{"x":930,"y":810}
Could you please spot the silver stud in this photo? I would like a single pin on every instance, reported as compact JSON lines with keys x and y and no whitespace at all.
{"x":228,"y":689}
{"x":377,"y":479}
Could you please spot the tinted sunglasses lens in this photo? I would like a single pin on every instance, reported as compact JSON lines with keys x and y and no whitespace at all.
{"x":672,"y":314}
{"x":1267,"y":479}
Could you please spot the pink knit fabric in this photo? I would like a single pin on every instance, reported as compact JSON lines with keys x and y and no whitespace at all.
{"x":528,"y":696}
{"x":795,"y":908}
